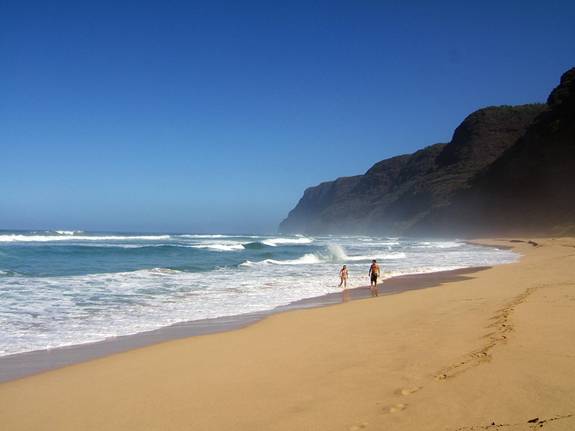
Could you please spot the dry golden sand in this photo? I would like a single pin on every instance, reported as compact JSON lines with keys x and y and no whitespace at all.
{"x":491,"y":352}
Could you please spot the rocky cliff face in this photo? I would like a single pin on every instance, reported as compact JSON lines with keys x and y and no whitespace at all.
{"x":530,"y":187}
{"x":506,"y":168}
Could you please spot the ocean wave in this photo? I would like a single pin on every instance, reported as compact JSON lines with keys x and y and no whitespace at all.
{"x":384,"y":256}
{"x":50,"y":238}
{"x":440,"y":244}
{"x":202,"y":236}
{"x":386,"y":243}
{"x":274,"y":242}
{"x":337,"y":253}
{"x":42,"y":311}
{"x":69,"y":232}
{"x":306,"y":259}
{"x":220,"y":247}
{"x":256,"y":245}
{"x":124,"y":276}
{"x":212,"y":236}
{"x":161,"y":271}
{"x":127,"y":246}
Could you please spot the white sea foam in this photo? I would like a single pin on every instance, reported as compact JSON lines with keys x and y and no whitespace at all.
{"x":202,"y":236}
{"x":129,"y":246}
{"x":220,"y":247}
{"x":50,"y":238}
{"x":335,"y":253}
{"x":50,"y":311}
{"x":69,"y":232}
{"x":212,"y":236}
{"x":274,"y":242}
{"x":382,"y":256}
{"x":440,"y":244}
{"x":338,"y":254}
{"x":306,"y":259}
{"x":161,"y":271}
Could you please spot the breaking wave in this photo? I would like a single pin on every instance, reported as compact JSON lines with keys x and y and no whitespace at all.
{"x":306,"y":259}
{"x":335,"y":254}
{"x":69,"y":232}
{"x":338,"y":254}
{"x":72,"y":237}
{"x":220,"y":247}
{"x":274,"y":242}
{"x":69,"y":287}
{"x":440,"y":244}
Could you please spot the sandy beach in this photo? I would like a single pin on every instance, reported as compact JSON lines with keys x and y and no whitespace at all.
{"x":492,"y":350}
{"x":16,"y":366}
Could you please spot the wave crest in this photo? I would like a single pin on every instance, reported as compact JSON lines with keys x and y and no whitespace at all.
{"x":306,"y":259}
{"x":220,"y":247}
{"x":338,"y":254}
{"x":73,"y":237}
{"x":68,"y":232}
{"x":440,"y":244}
{"x":274,"y":242}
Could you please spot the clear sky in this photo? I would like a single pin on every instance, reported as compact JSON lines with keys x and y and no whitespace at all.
{"x":215,"y":116}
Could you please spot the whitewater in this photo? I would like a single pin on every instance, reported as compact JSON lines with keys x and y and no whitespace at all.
{"x":65,"y":287}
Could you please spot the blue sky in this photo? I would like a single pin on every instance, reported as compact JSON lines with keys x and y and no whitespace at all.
{"x":215,"y":116}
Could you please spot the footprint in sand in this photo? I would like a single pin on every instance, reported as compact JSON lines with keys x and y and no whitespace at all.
{"x":358,"y":427}
{"x":394,"y":408}
{"x":407,"y":391}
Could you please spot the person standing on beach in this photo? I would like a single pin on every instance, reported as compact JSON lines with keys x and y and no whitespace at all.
{"x":373,"y":274}
{"x":343,"y":274}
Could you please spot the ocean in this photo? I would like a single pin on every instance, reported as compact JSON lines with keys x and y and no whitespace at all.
{"x":62,"y":288}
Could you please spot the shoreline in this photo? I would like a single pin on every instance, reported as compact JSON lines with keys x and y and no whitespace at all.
{"x":490,"y":349}
{"x":26,"y":364}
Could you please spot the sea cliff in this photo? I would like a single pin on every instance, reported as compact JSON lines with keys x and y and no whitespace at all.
{"x":506,"y":169}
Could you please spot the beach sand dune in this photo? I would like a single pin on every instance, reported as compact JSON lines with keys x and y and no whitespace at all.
{"x":493,"y":351}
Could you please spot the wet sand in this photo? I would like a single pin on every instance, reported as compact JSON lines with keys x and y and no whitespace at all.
{"x":491,"y":350}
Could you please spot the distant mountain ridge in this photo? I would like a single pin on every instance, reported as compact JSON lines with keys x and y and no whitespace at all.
{"x":506,"y":169}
